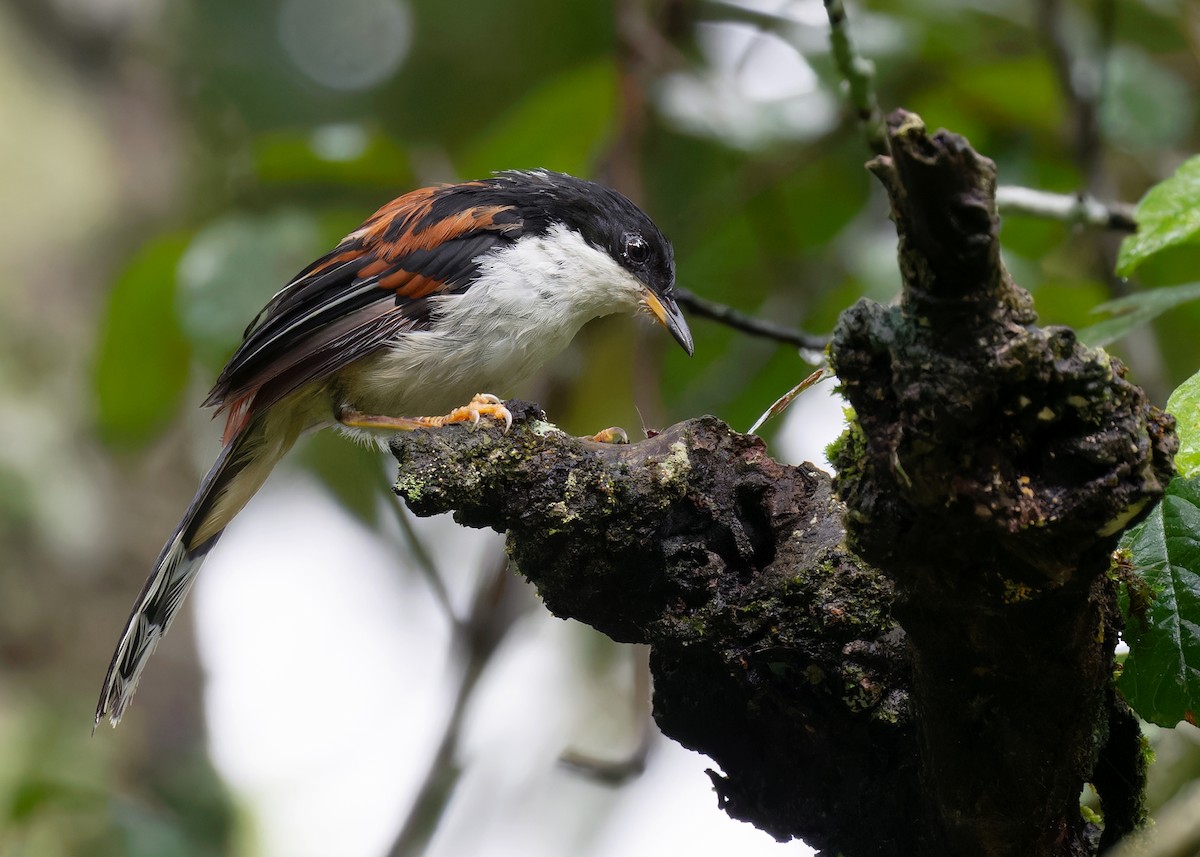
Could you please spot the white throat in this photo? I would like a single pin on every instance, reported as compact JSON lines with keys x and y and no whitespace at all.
{"x":559,"y":274}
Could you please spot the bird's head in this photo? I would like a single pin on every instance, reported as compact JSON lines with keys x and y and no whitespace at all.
{"x":622,"y":250}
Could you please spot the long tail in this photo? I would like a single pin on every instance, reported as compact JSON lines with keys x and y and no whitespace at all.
{"x":239,"y":471}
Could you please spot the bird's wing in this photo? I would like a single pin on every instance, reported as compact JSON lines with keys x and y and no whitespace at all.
{"x":375,"y":284}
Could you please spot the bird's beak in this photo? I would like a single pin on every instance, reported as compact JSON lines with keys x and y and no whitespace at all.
{"x":671,"y":318}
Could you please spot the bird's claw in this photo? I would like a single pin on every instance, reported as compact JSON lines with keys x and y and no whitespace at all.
{"x":482,"y":404}
{"x":612,"y":434}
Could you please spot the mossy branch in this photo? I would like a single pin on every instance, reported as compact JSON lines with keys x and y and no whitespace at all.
{"x":772,"y":648}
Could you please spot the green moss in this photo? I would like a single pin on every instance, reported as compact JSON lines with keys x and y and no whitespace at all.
{"x":562,"y":511}
{"x":1146,"y":751}
{"x":850,"y":449}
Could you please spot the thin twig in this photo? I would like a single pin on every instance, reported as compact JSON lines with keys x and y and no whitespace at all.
{"x":618,"y":771}
{"x":1083,"y":210}
{"x":491,"y":617}
{"x":731,"y":317}
{"x":859,"y":74}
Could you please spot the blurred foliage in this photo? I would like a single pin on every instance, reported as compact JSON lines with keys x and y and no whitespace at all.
{"x":142,"y":362}
{"x":283,"y":124}
{"x":56,"y":798}
{"x":1134,"y":310}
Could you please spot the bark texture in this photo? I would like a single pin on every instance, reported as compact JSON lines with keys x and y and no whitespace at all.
{"x":993,"y":466}
{"x":951,"y":693}
{"x":772,"y":648}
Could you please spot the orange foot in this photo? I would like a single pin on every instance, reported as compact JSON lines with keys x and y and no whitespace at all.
{"x":483,"y":404}
{"x":612,"y":434}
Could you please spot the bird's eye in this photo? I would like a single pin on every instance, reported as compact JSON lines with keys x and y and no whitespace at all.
{"x":636,"y":249}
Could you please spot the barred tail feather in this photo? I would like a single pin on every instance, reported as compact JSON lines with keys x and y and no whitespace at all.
{"x":152,"y":614}
{"x":237,"y":474}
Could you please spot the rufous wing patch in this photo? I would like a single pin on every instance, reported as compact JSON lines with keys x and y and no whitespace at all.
{"x":239,"y":416}
{"x":409,"y":285}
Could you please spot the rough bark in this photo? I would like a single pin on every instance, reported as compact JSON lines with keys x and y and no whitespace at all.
{"x":954,"y":697}
{"x":772,"y":648}
{"x":996,"y":463}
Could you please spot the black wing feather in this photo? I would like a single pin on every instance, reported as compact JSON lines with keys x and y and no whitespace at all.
{"x":331,"y":315}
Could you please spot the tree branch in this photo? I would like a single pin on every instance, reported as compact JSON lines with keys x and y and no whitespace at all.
{"x":989,"y":468}
{"x":771,"y":647}
{"x":857,"y":71}
{"x":762,"y":328}
{"x":477,"y":637}
{"x":1080,"y":82}
{"x":1080,"y":209}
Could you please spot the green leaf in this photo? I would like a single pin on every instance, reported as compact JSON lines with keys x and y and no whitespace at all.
{"x":561,"y":125}
{"x":142,"y":362}
{"x":1135,"y":310}
{"x":1161,"y":677}
{"x":1184,"y":405}
{"x":231,"y":270}
{"x":1169,"y":214}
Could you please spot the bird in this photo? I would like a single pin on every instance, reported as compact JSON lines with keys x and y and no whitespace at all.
{"x":443,"y":293}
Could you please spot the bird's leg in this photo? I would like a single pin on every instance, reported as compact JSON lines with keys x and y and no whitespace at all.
{"x":483,"y":404}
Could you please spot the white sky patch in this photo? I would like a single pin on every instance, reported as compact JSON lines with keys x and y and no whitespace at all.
{"x":320,"y":707}
{"x":813,"y":421}
{"x":753,"y":89}
{"x":329,"y":682}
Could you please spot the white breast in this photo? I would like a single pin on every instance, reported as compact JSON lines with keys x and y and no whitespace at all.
{"x":529,"y":301}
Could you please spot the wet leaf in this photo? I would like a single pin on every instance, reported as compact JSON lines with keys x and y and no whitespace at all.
{"x":1169,"y":214}
{"x":1184,"y":405}
{"x":1161,"y":676}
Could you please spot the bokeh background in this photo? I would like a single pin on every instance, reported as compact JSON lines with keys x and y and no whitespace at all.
{"x":350,"y":681}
